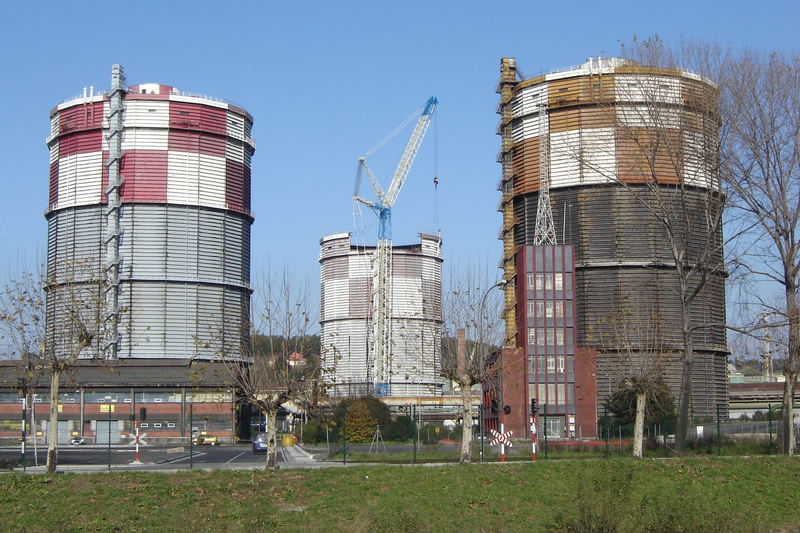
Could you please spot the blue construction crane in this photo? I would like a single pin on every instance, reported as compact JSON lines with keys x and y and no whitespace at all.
{"x":382,"y":264}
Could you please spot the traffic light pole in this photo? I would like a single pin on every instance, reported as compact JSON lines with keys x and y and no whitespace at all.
{"x":533,"y":429}
{"x":416,"y":431}
{"x":480,"y":417}
{"x":24,"y":435}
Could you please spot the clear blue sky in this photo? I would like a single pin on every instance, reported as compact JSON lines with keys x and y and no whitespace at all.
{"x":325,"y":81}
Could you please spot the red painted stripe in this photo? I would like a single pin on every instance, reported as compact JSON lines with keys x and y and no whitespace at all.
{"x":212,"y":145}
{"x":247,"y":190}
{"x":195,"y":141}
{"x":185,"y":115}
{"x":145,"y":176}
{"x":214,"y":119}
{"x":80,"y":117}
{"x":53,"y":183}
{"x":80,"y":142}
{"x":183,"y":141}
{"x":237,"y":186}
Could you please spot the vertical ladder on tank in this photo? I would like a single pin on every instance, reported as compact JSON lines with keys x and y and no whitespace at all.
{"x":112,"y":238}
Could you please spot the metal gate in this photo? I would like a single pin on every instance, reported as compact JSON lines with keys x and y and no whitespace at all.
{"x":102,"y":433}
{"x":63,"y":431}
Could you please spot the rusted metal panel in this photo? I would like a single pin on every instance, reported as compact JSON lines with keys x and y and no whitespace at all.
{"x":647,"y":154}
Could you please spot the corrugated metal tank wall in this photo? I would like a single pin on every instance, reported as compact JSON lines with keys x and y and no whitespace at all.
{"x":622,"y":257}
{"x":346,"y":310}
{"x":604,"y":124}
{"x":185,"y":217}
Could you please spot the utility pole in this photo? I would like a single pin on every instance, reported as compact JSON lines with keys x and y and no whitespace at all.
{"x":33,"y":430}
{"x":534,"y":409}
{"x":109,"y":437}
{"x":416,"y":430}
{"x":191,"y":434}
{"x":24,"y":416}
{"x":480,"y":417}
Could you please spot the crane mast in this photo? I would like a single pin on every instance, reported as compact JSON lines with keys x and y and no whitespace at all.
{"x":382,"y":260}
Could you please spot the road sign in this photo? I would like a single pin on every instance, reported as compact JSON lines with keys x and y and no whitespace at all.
{"x":141,"y":439}
{"x":501,"y":438}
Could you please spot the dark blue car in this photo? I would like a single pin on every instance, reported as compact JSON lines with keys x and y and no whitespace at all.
{"x":260,"y":442}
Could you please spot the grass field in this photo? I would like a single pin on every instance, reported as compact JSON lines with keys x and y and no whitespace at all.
{"x":698,"y":494}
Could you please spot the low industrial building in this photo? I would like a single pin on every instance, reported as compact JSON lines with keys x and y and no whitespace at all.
{"x":100,"y":402}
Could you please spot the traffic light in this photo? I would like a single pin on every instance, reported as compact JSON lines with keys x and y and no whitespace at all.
{"x":495,"y":407}
{"x":507,"y":409}
{"x":534,"y":408}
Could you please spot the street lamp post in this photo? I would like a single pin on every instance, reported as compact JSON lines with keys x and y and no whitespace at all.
{"x":479,"y":326}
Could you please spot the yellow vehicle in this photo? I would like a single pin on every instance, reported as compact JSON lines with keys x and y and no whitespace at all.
{"x":204,"y":438}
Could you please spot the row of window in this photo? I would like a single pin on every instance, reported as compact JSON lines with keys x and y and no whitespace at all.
{"x":121,"y":397}
{"x":156,"y":425}
{"x":551,"y":364}
{"x":548,"y":281}
{"x":546,"y":336}
{"x":557,"y":395}
{"x":548,"y":309}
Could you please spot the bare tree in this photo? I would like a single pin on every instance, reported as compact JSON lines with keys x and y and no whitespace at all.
{"x":50,"y":323}
{"x":274,"y":368}
{"x":760,"y":102}
{"x":639,"y":357}
{"x":472,"y":333}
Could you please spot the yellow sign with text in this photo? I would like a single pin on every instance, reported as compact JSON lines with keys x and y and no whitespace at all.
{"x":107,"y":408}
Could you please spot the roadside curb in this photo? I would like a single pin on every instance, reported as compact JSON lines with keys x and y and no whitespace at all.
{"x":310,"y":456}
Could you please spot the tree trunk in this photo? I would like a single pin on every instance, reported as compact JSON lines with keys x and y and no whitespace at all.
{"x":638,"y":425}
{"x":466,"y":417}
{"x":787,"y":437}
{"x":791,"y":369}
{"x":685,"y":401}
{"x":272,"y":438}
{"x":52,"y":430}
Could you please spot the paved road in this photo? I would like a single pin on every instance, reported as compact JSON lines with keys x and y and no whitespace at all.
{"x":162,"y":458}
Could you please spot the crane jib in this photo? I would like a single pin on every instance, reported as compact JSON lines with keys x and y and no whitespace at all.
{"x":430,"y":105}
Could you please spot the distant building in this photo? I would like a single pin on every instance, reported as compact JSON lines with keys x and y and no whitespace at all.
{"x":346,"y":325}
{"x":297,"y":360}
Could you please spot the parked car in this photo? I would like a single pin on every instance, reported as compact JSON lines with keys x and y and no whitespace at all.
{"x":260,"y":442}
{"x":205,"y":438}
{"x":77,"y":441}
